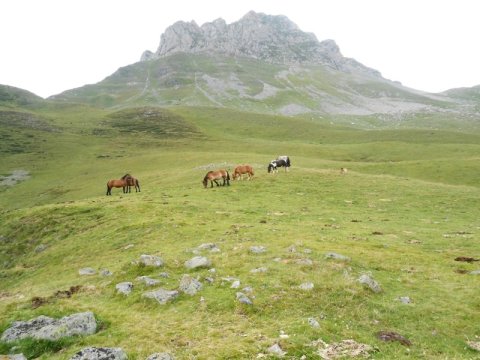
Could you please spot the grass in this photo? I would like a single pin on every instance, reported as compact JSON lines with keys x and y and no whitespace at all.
{"x":407,"y":208}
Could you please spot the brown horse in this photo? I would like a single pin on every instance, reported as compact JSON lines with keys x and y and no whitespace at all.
{"x":117,"y":183}
{"x":131,"y":181}
{"x":215,"y":175}
{"x":240,"y":170}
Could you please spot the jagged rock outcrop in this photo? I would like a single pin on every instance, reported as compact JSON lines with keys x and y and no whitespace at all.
{"x":44,"y":327}
{"x":274,"y":39}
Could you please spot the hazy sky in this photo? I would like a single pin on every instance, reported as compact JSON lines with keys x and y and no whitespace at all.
{"x":48,"y":46}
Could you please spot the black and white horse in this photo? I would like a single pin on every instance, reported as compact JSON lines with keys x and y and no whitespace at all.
{"x":281,"y":161}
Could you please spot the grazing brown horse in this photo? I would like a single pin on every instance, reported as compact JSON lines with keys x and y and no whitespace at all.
{"x":117,"y":183}
{"x":131,"y":181}
{"x":215,"y":175}
{"x":240,"y":170}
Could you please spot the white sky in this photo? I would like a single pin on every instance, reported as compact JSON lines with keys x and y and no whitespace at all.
{"x":49,"y":46}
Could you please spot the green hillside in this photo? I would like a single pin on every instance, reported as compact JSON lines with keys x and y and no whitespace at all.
{"x":408,"y":206}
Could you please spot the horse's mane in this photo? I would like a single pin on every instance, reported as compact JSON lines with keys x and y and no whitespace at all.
{"x":125,"y":176}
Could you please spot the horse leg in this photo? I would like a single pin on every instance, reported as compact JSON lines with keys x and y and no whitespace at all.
{"x":216,"y":182}
{"x":109,"y":190}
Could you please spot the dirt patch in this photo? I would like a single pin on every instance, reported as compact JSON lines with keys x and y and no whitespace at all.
{"x":466,"y":259}
{"x":344,"y":349}
{"x":38,"y":301}
{"x":393,"y":336}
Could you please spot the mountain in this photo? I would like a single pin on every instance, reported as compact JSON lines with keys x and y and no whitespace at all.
{"x":11,"y":97}
{"x":263,"y":64}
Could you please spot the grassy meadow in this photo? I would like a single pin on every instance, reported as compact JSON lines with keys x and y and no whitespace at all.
{"x":408,"y":206}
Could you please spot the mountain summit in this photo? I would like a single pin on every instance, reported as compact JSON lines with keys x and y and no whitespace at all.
{"x":273,"y":39}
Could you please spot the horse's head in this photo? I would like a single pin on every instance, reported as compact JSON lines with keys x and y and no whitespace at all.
{"x":205,"y":182}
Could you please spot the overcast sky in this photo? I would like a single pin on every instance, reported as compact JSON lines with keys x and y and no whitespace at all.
{"x":49,"y":46}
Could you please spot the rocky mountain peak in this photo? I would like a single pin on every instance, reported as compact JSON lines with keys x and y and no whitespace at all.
{"x":271,"y":38}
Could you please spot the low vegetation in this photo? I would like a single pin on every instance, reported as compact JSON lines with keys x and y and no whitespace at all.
{"x":405,"y":210}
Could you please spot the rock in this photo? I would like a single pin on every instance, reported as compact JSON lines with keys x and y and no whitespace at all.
{"x":13,"y":357}
{"x":235,"y":284}
{"x":124,"y":288}
{"x":335,"y":256}
{"x":259,"y":270}
{"x":161,"y":295}
{"x":393,"y":336}
{"x":276,"y":350}
{"x":405,"y":299}
{"x":105,"y":272}
{"x":197,"y":262}
{"x":474,"y":345}
{"x":369,"y":282}
{"x":161,"y":356}
{"x":87,"y":271}
{"x":258,"y":249}
{"x":189,"y":285}
{"x":306,"y":286}
{"x":474,"y":272}
{"x":244,"y":299}
{"x":151,"y":260}
{"x":304,"y":262}
{"x":209,"y":246}
{"x":93,"y":353}
{"x":40,"y":248}
{"x":148,"y":280}
{"x":47,"y":328}
{"x":313,"y":322}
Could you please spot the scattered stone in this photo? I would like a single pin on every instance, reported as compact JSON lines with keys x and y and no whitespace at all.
{"x":148,"y":280}
{"x":244,"y":299}
{"x":40,"y":248}
{"x":259,"y":270}
{"x":87,"y":271}
{"x":209,"y":279}
{"x":235,"y":284}
{"x":474,"y":272}
{"x":304,"y":262}
{"x":474,"y":345}
{"x":198,"y":262}
{"x":13,"y":357}
{"x":248,"y":289}
{"x":345,"y":349}
{"x":258,"y":249}
{"x":209,"y":246}
{"x":161,"y":295}
{"x":307,"y":251}
{"x":393,"y":336}
{"x":164,"y":275}
{"x":124,"y":288}
{"x":129,"y":246}
{"x":335,"y":256}
{"x":151,"y":260}
{"x":161,"y":356}
{"x":93,"y":353}
{"x":369,"y":282}
{"x":189,"y":285}
{"x":292,"y":249}
{"x":306,"y":286}
{"x":283,"y":335}
{"x":47,"y":328}
{"x":313,"y":322}
{"x":405,"y":299}
{"x":105,"y":272}
{"x":276,"y":350}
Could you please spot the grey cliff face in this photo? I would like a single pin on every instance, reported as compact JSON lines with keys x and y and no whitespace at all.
{"x":274,"y":39}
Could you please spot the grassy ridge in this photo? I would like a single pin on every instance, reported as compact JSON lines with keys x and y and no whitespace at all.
{"x":408,"y":206}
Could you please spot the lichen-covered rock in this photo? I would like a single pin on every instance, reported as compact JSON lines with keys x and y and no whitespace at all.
{"x":124,"y":288}
{"x":93,"y":353}
{"x":198,"y":262}
{"x":151,"y":260}
{"x":161,"y":356}
{"x":189,"y":285}
{"x":161,"y":295}
{"x":369,"y":282}
{"x":47,"y":328}
{"x":13,"y":357}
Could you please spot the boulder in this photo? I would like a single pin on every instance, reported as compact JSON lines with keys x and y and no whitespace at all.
{"x":369,"y":282}
{"x":198,"y":262}
{"x":46,"y":328}
{"x":124,"y":288}
{"x":94,"y":353}
{"x":161,"y":295}
{"x":151,"y":260}
{"x":189,"y":285}
{"x":335,"y":256}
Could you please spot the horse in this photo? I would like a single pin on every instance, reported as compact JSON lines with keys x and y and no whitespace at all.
{"x":118,"y":183}
{"x":240,"y":170}
{"x":215,"y":175}
{"x":281,"y":161}
{"x":131,"y":181}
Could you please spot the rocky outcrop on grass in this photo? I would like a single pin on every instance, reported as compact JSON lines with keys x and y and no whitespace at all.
{"x":94,"y":353}
{"x":46,"y":328}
